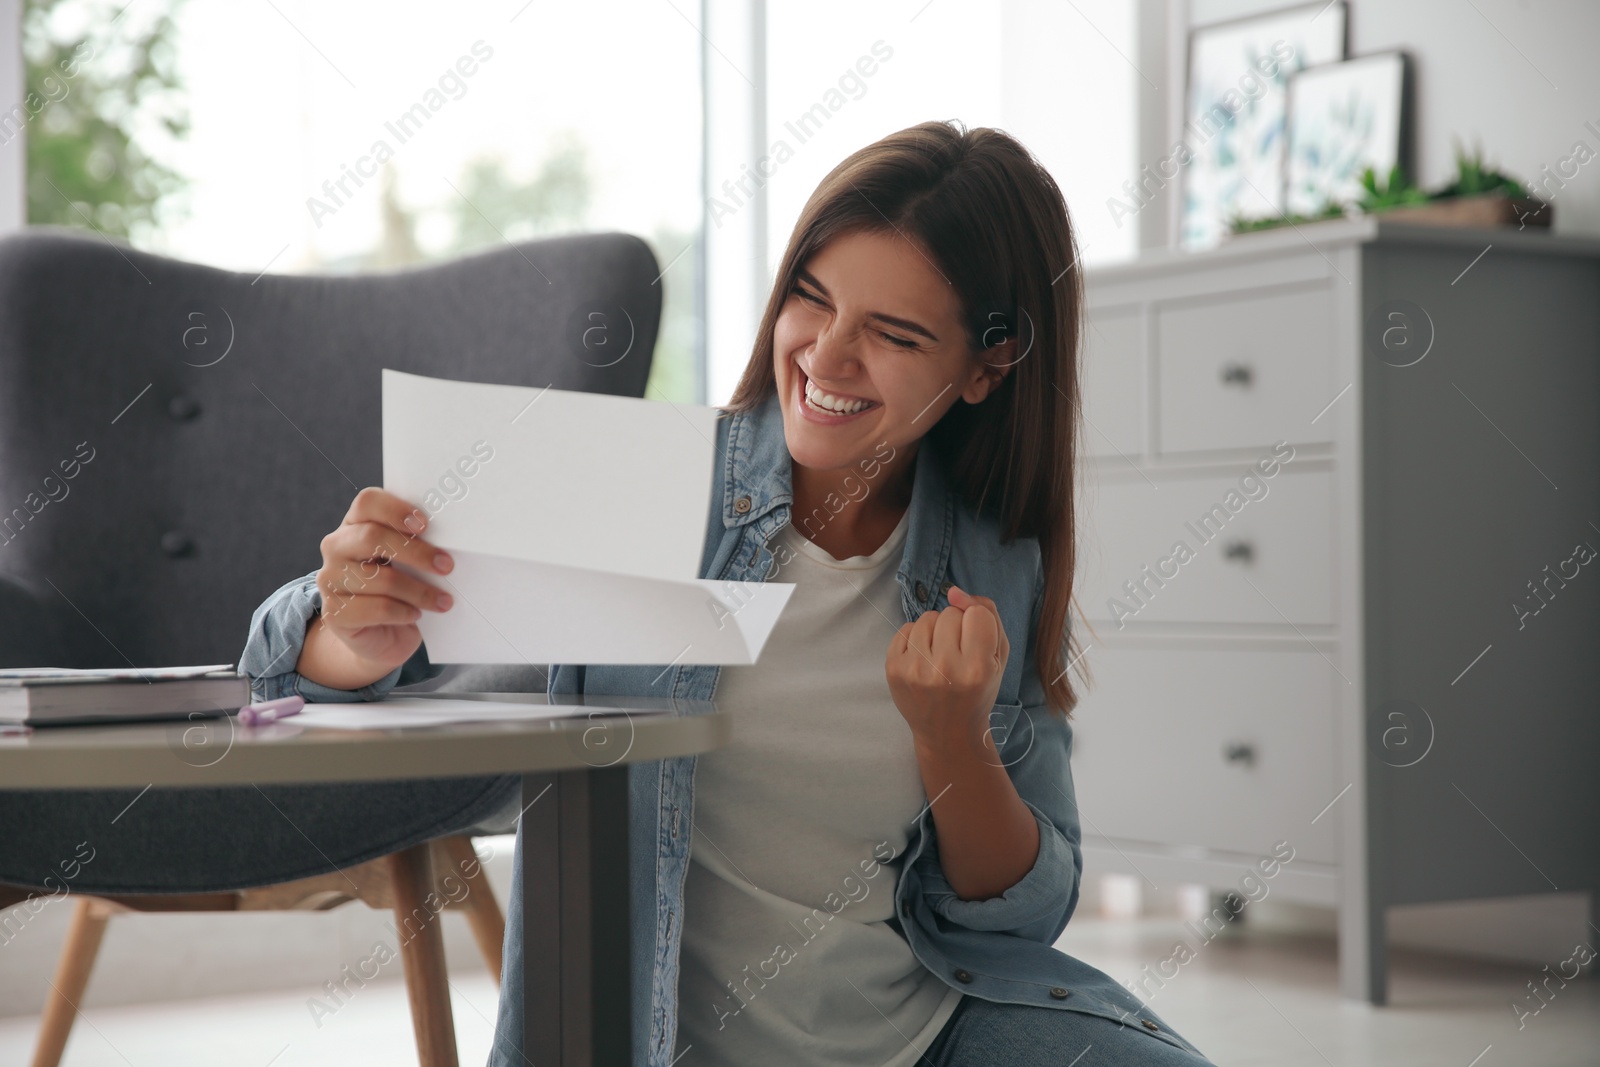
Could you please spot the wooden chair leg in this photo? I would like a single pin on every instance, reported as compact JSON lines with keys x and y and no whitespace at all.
{"x":72,"y":978}
{"x":483,"y":911}
{"x":422,"y":955}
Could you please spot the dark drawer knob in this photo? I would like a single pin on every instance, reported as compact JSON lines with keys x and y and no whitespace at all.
{"x":1237,"y":374}
{"x":183,"y":408}
{"x":175,"y":544}
{"x":1243,"y":551}
{"x":1240,"y":752}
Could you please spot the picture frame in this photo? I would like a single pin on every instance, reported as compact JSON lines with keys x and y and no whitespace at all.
{"x":1342,"y":118}
{"x":1234,"y":131}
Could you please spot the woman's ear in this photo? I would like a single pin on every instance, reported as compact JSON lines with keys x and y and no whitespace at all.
{"x":988,"y":370}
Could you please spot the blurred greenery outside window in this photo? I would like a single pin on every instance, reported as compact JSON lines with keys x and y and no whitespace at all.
{"x":108,"y":119}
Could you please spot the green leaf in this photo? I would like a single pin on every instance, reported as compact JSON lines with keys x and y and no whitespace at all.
{"x":85,"y":163}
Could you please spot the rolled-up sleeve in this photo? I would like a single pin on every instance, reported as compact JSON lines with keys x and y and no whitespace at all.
{"x":1037,"y":755}
{"x":1030,"y":908}
{"x":277,"y":635}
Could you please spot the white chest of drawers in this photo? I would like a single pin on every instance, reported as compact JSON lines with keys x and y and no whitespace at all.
{"x":1329,"y":475}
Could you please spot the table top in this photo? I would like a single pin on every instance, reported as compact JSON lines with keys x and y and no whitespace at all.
{"x":220,"y":752}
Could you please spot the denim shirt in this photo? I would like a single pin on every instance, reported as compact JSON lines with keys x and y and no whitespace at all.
{"x":1000,"y":948}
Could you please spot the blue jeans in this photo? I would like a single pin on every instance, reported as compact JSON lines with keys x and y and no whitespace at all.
{"x":979,"y":1033}
{"x":507,"y":1048}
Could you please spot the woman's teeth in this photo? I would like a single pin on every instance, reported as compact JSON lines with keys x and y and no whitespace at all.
{"x":833,"y":405}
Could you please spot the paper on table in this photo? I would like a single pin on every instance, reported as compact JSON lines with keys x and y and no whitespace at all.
{"x":576,"y":521}
{"x":429,"y":711}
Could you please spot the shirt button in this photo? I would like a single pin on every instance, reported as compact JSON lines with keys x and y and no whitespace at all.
{"x":922,"y":593}
{"x":1148,"y":1025}
{"x":1060,"y":994}
{"x":963,"y":975}
{"x":945,"y":588}
{"x":741,"y":505}
{"x":905,"y":908}
{"x":175,"y":543}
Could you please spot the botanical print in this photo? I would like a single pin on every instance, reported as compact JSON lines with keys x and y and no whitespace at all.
{"x":1238,"y":78}
{"x":1343,"y":118}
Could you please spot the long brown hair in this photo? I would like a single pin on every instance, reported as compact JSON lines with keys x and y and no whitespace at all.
{"x":993,"y":221}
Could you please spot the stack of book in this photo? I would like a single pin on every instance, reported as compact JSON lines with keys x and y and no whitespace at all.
{"x":58,"y":695}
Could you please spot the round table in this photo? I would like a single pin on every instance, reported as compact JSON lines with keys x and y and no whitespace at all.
{"x":575,"y":864}
{"x":219,"y":752}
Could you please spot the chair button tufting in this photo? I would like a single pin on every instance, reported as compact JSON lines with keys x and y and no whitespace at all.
{"x":175,"y":543}
{"x":1060,"y":994}
{"x":741,"y":506}
{"x":183,"y":408}
{"x":963,"y":975}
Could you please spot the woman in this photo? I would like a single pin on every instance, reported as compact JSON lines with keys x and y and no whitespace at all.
{"x":874,"y":870}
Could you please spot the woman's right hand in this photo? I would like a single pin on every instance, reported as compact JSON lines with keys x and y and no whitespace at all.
{"x":370,"y":606}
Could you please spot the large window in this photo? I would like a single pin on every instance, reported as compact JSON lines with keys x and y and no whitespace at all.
{"x":828,"y":77}
{"x":298,"y":136}
{"x":842,"y":74}
{"x":293,"y":135}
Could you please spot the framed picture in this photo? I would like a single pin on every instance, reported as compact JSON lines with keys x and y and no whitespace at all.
{"x":1343,"y":118}
{"x":1234,"y":131}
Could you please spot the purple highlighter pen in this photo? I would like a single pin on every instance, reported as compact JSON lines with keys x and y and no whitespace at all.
{"x":271,"y":711}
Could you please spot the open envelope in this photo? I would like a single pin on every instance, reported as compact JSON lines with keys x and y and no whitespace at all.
{"x":577,"y":523}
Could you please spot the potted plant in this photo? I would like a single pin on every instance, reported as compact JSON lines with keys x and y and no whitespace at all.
{"x":1249,"y":224}
{"x":1396,"y":192}
{"x":1480,"y":195}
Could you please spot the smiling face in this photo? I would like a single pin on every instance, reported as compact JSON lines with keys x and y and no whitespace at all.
{"x":870,"y":347}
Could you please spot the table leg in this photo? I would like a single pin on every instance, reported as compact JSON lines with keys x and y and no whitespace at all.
{"x":575,"y":921}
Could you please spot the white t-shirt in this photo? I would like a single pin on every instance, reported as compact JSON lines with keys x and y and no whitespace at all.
{"x":800,"y":824}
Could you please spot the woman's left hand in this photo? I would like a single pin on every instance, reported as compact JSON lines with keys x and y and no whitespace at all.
{"x":944,"y":673}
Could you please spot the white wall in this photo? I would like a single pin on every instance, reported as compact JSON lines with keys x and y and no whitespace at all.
{"x":1052,"y":75}
{"x":1070,"y":86}
{"x":1521,"y":77}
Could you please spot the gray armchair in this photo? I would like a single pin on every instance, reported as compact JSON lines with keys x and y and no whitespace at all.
{"x":174,"y":442}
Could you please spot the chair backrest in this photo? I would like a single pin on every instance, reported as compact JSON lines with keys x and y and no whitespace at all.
{"x":175,"y":440}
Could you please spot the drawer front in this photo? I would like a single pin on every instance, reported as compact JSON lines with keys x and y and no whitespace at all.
{"x":1230,"y":750}
{"x":1247,"y":560}
{"x":1113,"y":383}
{"x":1245,"y":371}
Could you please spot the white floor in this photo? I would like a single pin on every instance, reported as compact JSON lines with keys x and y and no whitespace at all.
{"x":1254,"y":998}
{"x":1249,"y":998}
{"x":372,"y":1029}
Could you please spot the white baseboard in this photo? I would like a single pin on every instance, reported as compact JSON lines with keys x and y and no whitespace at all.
{"x":1528,"y":929}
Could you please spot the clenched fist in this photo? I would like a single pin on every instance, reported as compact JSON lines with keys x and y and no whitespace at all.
{"x":944,"y":672}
